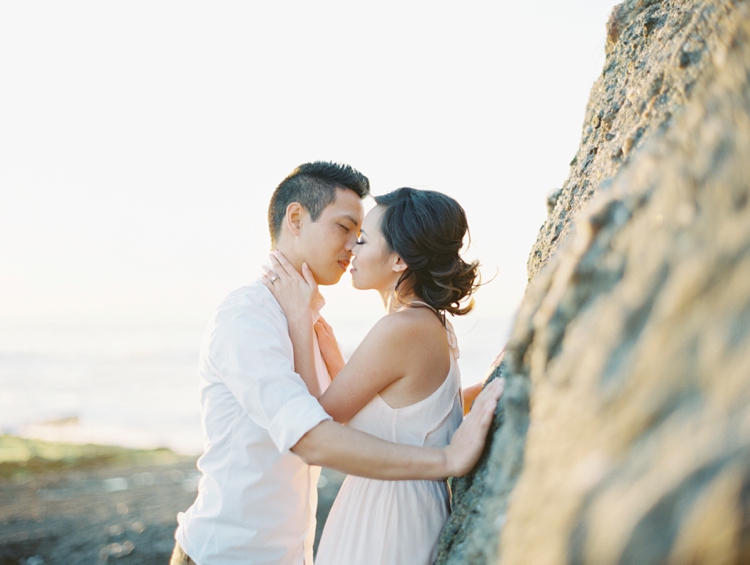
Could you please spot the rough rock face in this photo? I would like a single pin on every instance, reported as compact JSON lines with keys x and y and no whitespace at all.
{"x":633,"y":340}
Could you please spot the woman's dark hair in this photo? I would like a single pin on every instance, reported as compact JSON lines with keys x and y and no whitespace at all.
{"x":427,"y":230}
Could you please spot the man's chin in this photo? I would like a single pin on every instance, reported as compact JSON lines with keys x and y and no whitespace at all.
{"x":329,"y":280}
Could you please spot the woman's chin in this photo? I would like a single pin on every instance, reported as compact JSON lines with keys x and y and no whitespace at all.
{"x":357,"y":283}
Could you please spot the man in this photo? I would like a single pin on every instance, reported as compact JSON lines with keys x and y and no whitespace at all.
{"x":264,"y":434}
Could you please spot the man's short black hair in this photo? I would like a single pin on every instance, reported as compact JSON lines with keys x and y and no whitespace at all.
{"x":314,"y":186}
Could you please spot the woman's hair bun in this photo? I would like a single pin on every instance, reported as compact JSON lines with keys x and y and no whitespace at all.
{"x":427,"y":230}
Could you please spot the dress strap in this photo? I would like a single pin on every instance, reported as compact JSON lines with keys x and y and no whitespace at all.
{"x":422,"y":302}
{"x":452,"y":339}
{"x":419,"y":303}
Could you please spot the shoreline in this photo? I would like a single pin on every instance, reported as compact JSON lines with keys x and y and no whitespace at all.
{"x":66,"y":503}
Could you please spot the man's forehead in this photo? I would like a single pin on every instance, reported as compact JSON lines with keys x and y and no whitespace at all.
{"x":346,"y":207}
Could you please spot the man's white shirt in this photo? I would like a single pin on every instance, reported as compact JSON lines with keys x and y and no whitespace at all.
{"x":256,"y":500}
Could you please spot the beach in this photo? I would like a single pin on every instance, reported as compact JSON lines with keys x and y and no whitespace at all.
{"x":102,"y":434}
{"x":68,"y":504}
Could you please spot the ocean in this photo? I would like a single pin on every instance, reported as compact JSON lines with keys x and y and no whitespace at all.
{"x":136,"y":385}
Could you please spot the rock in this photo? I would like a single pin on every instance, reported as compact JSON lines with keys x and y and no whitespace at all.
{"x":116,"y":551}
{"x":552,"y":197}
{"x":634,"y":335}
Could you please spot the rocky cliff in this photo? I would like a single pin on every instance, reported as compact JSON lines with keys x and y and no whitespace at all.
{"x":624,"y":433}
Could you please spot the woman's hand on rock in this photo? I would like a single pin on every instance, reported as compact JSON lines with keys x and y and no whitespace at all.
{"x":468,"y":442}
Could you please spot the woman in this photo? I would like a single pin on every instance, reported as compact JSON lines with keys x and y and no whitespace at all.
{"x":402,"y":383}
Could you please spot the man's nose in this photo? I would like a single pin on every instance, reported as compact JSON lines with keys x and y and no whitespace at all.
{"x":350,"y":243}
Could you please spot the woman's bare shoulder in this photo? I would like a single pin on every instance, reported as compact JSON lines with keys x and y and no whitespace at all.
{"x":407,"y":327}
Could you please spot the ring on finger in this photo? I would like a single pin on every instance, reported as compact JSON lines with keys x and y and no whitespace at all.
{"x":274,"y":279}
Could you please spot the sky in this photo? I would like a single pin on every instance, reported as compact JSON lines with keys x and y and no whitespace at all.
{"x":140,"y":141}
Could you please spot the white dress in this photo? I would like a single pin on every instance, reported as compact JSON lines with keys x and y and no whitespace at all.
{"x":376,"y":522}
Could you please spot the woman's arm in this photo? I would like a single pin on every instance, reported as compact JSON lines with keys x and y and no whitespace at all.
{"x":378,"y":361}
{"x":295,"y":295}
{"x":329,"y":347}
{"x":357,"y":453}
{"x":301,"y":334}
{"x":382,"y":358}
{"x":470,"y":393}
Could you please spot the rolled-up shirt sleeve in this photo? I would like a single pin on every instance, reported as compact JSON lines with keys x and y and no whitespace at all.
{"x":250,"y":350}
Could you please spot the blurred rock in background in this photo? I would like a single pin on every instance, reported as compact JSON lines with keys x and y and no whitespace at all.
{"x":624,"y":433}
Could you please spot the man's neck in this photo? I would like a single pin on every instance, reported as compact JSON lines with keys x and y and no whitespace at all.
{"x":291,"y":256}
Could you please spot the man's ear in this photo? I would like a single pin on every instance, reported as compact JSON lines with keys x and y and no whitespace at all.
{"x":399,"y":265}
{"x":293,"y":217}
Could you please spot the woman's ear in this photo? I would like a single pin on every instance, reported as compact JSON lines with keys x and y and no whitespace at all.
{"x":399,"y":265}
{"x":293,"y":218}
